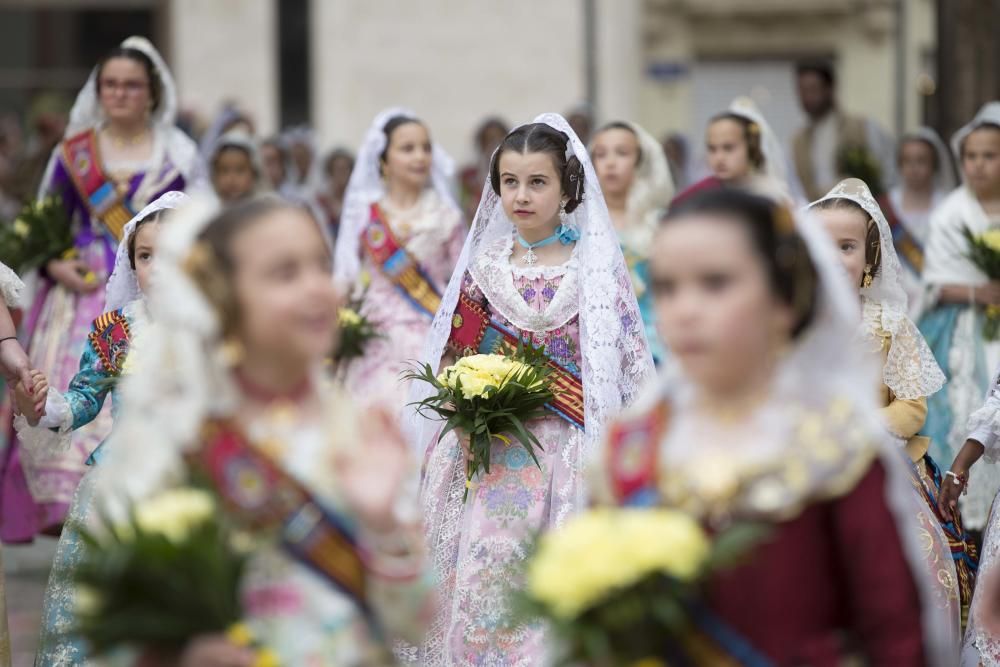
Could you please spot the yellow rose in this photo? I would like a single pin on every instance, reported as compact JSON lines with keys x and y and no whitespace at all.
{"x":86,"y":601}
{"x":991,"y":238}
{"x":21,"y":228}
{"x":610,"y":550}
{"x":174,"y":513}
{"x":348,"y":317}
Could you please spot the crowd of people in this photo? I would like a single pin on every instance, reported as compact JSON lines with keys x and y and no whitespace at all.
{"x":799,"y":337}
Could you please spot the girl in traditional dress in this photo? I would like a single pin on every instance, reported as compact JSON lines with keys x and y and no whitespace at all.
{"x":761,"y":420}
{"x":234,"y":167}
{"x":926,"y":178}
{"x":245,"y":312}
{"x":982,"y":640}
{"x":957,"y":295}
{"x":909,"y":374}
{"x":332,"y":186}
{"x":104,"y":361}
{"x":121,"y":152}
{"x":742,"y":151}
{"x":637,"y":186}
{"x":400,"y":236}
{"x":15,"y":368}
{"x":542,"y":264}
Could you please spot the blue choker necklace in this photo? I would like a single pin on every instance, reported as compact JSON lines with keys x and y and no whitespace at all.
{"x":564,"y":234}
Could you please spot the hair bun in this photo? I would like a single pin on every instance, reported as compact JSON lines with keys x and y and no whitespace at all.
{"x":573,"y":179}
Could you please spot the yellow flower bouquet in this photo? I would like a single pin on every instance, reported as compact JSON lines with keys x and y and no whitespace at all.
{"x":487,"y":397}
{"x":984,"y":252}
{"x":617,"y":586}
{"x":40,"y":232}
{"x":356,"y":331}
{"x":169,"y":573}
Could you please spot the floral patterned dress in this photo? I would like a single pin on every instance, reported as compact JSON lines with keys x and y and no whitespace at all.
{"x":478,"y":547}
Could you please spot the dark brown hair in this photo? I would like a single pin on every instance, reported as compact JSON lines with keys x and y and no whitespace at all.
{"x":873,"y":240}
{"x":771,"y":228}
{"x":155,"y":216}
{"x":751,"y":134}
{"x":542,"y":138}
{"x":135,"y":55}
{"x":917,"y":139}
{"x":391,"y":125}
{"x":981,"y":126}
{"x":621,"y":125}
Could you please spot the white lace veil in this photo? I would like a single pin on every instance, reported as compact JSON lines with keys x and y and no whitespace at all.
{"x":910,"y":370}
{"x":87,"y":113}
{"x":651,"y":191}
{"x":614,"y":368}
{"x":237,"y":139}
{"x":989,"y":114}
{"x":169,"y":141}
{"x":774,"y":156}
{"x":123,"y":287}
{"x":366,"y":187}
{"x":182,"y":377}
{"x":944,"y":176}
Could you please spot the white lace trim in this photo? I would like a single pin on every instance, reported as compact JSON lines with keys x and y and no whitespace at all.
{"x":910,"y":370}
{"x":53,"y":434}
{"x":11,"y":287}
{"x":431,"y":223}
{"x":494,"y":274}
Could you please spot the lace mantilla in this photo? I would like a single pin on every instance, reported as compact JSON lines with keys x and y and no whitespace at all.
{"x":910,"y":371}
{"x":425,"y":228}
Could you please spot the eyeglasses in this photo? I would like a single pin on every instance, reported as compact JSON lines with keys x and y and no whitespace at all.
{"x":131,"y":87}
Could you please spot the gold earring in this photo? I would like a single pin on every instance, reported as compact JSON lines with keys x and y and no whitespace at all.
{"x":232,"y":352}
{"x":866,"y":282}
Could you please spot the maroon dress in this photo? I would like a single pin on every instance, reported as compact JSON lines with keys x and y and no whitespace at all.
{"x":830,"y":581}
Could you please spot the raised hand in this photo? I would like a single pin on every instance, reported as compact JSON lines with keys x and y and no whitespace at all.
{"x":371,"y":476}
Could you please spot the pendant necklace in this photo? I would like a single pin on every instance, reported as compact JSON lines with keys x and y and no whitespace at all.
{"x":530,"y":258}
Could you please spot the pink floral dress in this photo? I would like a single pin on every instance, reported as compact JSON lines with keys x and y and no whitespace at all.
{"x":433,"y":233}
{"x":478,"y":547}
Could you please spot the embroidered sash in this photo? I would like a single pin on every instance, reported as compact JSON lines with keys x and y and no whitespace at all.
{"x":110,"y":338}
{"x":399,"y":266}
{"x":474,"y":332}
{"x":908,"y":248}
{"x":98,"y":192}
{"x":261,"y":495}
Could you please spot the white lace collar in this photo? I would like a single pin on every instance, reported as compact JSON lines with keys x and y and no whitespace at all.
{"x":494,"y":273}
{"x":425,"y":228}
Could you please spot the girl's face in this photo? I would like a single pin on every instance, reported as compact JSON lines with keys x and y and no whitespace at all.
{"x":274,"y":164}
{"x":714,"y":304}
{"x":145,"y":252}
{"x":616,"y":156}
{"x":981,"y":161}
{"x":916,"y":165}
{"x":849,"y":230}
{"x":408,"y":157}
{"x":233,"y":176}
{"x":125,"y":93}
{"x":339,"y":173}
{"x":531,"y":191}
{"x":728,"y":155}
{"x":284,"y":287}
